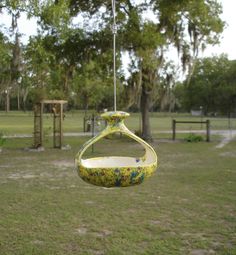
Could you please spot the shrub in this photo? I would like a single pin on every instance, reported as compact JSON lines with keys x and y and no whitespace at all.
{"x":2,"y":139}
{"x":193,"y":138}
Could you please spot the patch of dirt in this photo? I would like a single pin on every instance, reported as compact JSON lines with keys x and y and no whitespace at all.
{"x":46,"y":175}
{"x":103,"y":233}
{"x":81,"y":231}
{"x":63,"y":163}
{"x":89,"y":202}
{"x":227,"y":137}
{"x":230,"y":154}
{"x":39,"y":149}
{"x":166,"y":165}
{"x":21,"y":176}
{"x":198,"y":252}
{"x":185,"y":200}
{"x":150,"y":202}
{"x":71,"y":248}
{"x":216,"y":245}
{"x":202,"y":252}
{"x":96,"y":252}
{"x":131,"y":210}
{"x":37,"y":242}
{"x":29,"y":176}
{"x":5,"y":166}
{"x":166,"y":140}
{"x":155,"y":222}
{"x":194,"y":235}
{"x":54,"y":187}
{"x":163,"y":223}
{"x":90,"y":187}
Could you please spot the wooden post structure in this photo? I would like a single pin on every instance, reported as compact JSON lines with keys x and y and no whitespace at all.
{"x":207,"y":122}
{"x":208,"y":130}
{"x":38,"y":125}
{"x":93,"y":129}
{"x":84,"y":123}
{"x":58,"y":117}
{"x":60,"y":125}
{"x":173,"y":128}
{"x":57,"y":122}
{"x":56,"y":129}
{"x":41,"y":124}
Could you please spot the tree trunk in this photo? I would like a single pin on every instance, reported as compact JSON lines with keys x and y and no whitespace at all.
{"x":144,"y":105}
{"x":86,"y":105}
{"x":7,"y":103}
{"x":24,"y":98}
{"x":18,"y":98}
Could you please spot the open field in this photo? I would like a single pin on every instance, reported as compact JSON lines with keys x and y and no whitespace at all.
{"x":187,"y":207}
{"x":22,"y":123}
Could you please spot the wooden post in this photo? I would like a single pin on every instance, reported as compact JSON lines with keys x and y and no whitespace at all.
{"x":35,"y":130}
{"x":208,"y":130}
{"x":7,"y":107}
{"x":54,"y":129}
{"x":173,"y":128}
{"x":60,"y":125}
{"x":41,"y":124}
{"x":37,"y":126}
{"x":92,"y":127}
{"x":57,"y":125}
{"x":58,"y":117}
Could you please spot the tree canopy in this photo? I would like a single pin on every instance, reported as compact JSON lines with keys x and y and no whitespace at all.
{"x":71,"y":57}
{"x":212,"y":86}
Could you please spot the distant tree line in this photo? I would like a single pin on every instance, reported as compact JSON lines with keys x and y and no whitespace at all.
{"x":212,"y":87}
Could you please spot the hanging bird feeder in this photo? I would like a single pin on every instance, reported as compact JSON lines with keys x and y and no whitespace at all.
{"x":116,"y":171}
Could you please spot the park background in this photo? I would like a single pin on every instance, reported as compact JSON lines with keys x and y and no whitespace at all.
{"x":188,"y":206}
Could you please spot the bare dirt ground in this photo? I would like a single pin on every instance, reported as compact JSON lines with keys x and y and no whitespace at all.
{"x":227,"y":135}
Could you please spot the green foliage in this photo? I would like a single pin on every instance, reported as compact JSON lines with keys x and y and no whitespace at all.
{"x":2,"y":139}
{"x":92,"y":88}
{"x":193,"y":138}
{"x":38,"y":94}
{"x":212,"y":86}
{"x":74,"y":61}
{"x":5,"y":63}
{"x":55,"y":14}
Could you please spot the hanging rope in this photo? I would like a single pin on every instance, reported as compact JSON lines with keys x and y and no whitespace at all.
{"x":114,"y":30}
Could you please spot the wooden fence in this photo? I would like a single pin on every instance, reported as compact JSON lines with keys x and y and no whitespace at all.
{"x":207,"y":123}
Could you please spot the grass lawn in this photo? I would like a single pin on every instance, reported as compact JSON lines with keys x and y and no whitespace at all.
{"x":22,"y":123}
{"x":187,"y":207}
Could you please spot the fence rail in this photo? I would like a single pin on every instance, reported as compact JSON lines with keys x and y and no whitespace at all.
{"x":175,"y":122}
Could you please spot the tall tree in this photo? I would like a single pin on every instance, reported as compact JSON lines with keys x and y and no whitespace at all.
{"x":155,"y":37}
{"x":185,"y":25}
{"x":5,"y":66}
{"x":55,"y":14}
